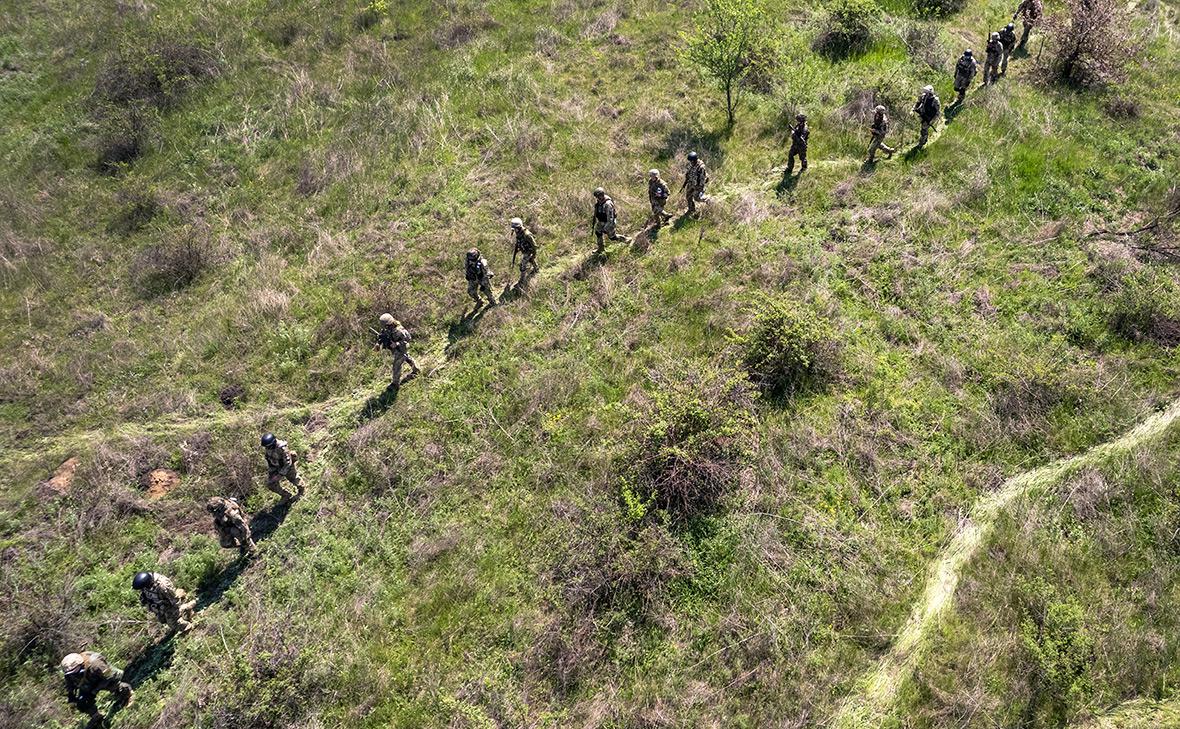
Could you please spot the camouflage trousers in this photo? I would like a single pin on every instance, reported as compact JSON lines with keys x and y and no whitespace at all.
{"x":475,"y":286}
{"x":991,"y":70}
{"x":799,"y":150}
{"x":235,"y":536}
{"x":528,"y":263}
{"x":399,"y":359}
{"x":87,"y":700}
{"x":606,"y":230}
{"x":693,"y":195}
{"x":924,"y":133}
{"x":274,"y":482}
{"x":1028,"y":26}
{"x":878,"y":142}
{"x":657,"y":211}
{"x":1004,"y":61}
{"x":176,"y":615}
{"x":961,"y":85}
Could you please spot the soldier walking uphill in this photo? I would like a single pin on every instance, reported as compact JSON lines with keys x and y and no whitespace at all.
{"x":86,"y":674}
{"x":525,"y":244}
{"x":1029,"y":12}
{"x":160,"y":596}
{"x":280,"y":466}
{"x":604,"y":220}
{"x":394,"y":337}
{"x":878,"y":130}
{"x":1008,"y":43}
{"x":230,"y":524}
{"x":991,"y":66}
{"x":964,"y":74}
{"x":657,"y":195}
{"x":696,"y":177}
{"x":928,"y":107}
{"x":799,"y":135}
{"x":479,"y":278}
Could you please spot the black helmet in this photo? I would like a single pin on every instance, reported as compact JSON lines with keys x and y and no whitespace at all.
{"x":473,"y":253}
{"x":599,"y":192}
{"x":1010,"y":26}
{"x":142,"y":580}
{"x":692,"y":156}
{"x":967,"y":52}
{"x":269,"y":440}
{"x":801,"y":117}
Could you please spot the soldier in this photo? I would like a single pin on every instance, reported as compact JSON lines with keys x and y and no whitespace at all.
{"x":86,"y":674}
{"x":991,"y":64}
{"x":696,"y":176}
{"x":604,"y":220}
{"x":657,"y":195}
{"x":394,"y":337}
{"x":1008,"y":43}
{"x":524,"y":243}
{"x":964,"y":74}
{"x":928,"y":107}
{"x":280,"y":465}
{"x":799,"y":135}
{"x":479,"y":278}
{"x":160,"y":596}
{"x":230,"y":524}
{"x":1030,"y":14}
{"x":879,"y":129}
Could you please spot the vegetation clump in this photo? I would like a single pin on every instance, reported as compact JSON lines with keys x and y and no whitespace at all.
{"x":1088,"y":44}
{"x":848,"y":28}
{"x":700,"y":435}
{"x":1146,"y":307}
{"x":166,"y":267}
{"x":788,"y":348}
{"x":728,"y":44}
{"x":1057,"y":651}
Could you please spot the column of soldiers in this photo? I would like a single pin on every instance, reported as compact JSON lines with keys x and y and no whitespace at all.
{"x":87,"y":673}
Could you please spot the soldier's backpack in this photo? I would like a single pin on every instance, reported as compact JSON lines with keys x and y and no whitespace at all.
{"x":931,"y":106}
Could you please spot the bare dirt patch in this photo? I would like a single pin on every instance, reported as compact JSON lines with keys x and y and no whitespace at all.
{"x":63,"y":477}
{"x":160,"y":481}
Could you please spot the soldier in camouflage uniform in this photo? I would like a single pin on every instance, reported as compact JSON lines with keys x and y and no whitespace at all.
{"x":605,"y":220}
{"x":799,"y":136}
{"x":394,"y":337}
{"x":964,"y":74}
{"x":164,"y":600}
{"x":928,"y":107}
{"x":524,"y":243}
{"x":657,"y":195}
{"x":280,"y":466}
{"x":479,"y":278}
{"x":878,"y":130}
{"x":696,"y":177}
{"x":1029,"y":12}
{"x":991,"y":65}
{"x":86,"y":674}
{"x":1008,"y":43}
{"x":230,"y":524}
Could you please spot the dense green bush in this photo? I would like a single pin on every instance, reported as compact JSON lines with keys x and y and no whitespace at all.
{"x":939,"y":8}
{"x":1058,"y":650}
{"x":700,"y":434}
{"x":789,"y":347}
{"x":848,"y":28}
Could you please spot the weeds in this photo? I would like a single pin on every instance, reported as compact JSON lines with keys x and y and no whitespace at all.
{"x":789,"y":347}
{"x":848,"y":28}
{"x":163,"y":268}
{"x":1089,"y":44}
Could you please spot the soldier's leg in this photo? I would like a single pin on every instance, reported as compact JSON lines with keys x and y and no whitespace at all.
{"x":803,"y":158}
{"x":293,"y":477}
{"x":274,"y":482}
{"x":473,"y":292}
{"x":791,"y":160}
{"x":413,"y":365}
{"x":601,"y":246}
{"x":1024,"y":35}
{"x":691,"y":200}
{"x":245,"y":541}
{"x":486,"y":286}
{"x":1004,"y":63}
{"x":924,"y":134}
{"x":396,"y":377}
{"x":533,"y":263}
{"x":874,"y":143}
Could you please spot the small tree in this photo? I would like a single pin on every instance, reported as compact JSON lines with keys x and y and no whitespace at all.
{"x":1089,"y":43}
{"x":728,"y":37}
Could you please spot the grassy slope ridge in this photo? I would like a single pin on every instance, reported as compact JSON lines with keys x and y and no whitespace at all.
{"x":433,"y":574}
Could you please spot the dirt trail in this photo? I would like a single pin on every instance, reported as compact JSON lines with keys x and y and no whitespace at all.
{"x":873,"y":702}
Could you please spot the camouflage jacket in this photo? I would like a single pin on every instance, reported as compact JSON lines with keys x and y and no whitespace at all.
{"x":476,"y":269}
{"x":927,"y":107}
{"x":1007,"y":38}
{"x":657,"y":191}
{"x":965,"y":70}
{"x":279,"y":458}
{"x":87,"y":682}
{"x":230,"y":517}
{"x":880,"y":125}
{"x":161,"y":597}
{"x":1029,"y":10}
{"x":525,"y":242}
{"x":799,"y":135}
{"x":696,"y":175}
{"x":994,"y":48}
{"x":395,"y":339}
{"x":604,"y":210}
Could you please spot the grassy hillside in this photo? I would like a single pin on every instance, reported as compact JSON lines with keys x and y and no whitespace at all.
{"x":205,"y":205}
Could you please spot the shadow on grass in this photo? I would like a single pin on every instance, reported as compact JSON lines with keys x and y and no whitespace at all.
{"x":148,"y":662}
{"x":685,"y":139}
{"x":587,"y":266}
{"x":788,"y":182}
{"x":952,"y":111}
{"x":377,"y":405}
{"x":465,"y":325}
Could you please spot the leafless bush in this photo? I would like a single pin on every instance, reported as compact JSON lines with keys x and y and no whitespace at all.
{"x":162,"y":268}
{"x":921,"y":40}
{"x":105,"y":488}
{"x":155,"y":74}
{"x":1089,"y":44}
{"x":1122,"y":107}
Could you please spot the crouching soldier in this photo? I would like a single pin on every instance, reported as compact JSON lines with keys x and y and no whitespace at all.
{"x":928,"y":107}
{"x":86,"y":674}
{"x":230,"y":524}
{"x":799,"y":135}
{"x":394,"y":337}
{"x":964,"y":74}
{"x":280,"y":466}
{"x":657,"y":195}
{"x":479,"y":278}
{"x":160,"y":596}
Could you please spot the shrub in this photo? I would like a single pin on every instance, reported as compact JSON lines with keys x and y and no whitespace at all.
{"x":123,"y":135}
{"x":789,"y":347}
{"x":155,"y":74}
{"x":700,"y":435}
{"x":728,"y":42}
{"x":139,"y":206}
{"x":1088,"y":44}
{"x":1146,"y":307}
{"x":167,"y":267}
{"x":848,"y":28}
{"x":939,"y":8}
{"x":1057,"y":650}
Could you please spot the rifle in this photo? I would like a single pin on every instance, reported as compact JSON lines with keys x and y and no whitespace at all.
{"x":377,"y":336}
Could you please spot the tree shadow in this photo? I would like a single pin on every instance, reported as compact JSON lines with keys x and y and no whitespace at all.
{"x":684,"y":139}
{"x":377,"y":405}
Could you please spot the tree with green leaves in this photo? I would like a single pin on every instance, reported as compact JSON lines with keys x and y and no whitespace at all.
{"x":726,"y":40}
